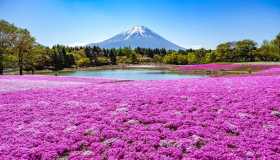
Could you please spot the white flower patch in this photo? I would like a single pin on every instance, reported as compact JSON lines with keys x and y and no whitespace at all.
{"x":276,"y":113}
{"x":11,"y":85}
{"x":132,"y":122}
{"x":123,"y":109}
{"x":90,"y":131}
{"x":110,"y":141}
{"x":244,"y":115}
{"x":167,"y":143}
{"x":70,"y":129}
{"x":43,"y":103}
{"x":87,"y":153}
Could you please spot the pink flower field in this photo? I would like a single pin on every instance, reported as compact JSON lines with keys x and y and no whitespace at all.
{"x":229,"y":66}
{"x":45,"y":118}
{"x":270,"y":71}
{"x":211,"y":67}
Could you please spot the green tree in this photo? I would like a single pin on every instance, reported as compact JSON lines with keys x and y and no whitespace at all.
{"x":192,"y":58}
{"x":125,"y":51}
{"x":69,"y":59}
{"x":95,"y":51}
{"x":113,"y":56}
{"x":36,"y":59}
{"x":268,"y":51}
{"x":210,"y":57}
{"x":170,"y":58}
{"x":265,"y":52}
{"x":245,"y":50}
{"x":182,"y":59}
{"x":80,"y":58}
{"x":24,"y":43}
{"x":200,"y":55}
{"x":7,"y":39}
{"x":276,"y":44}
{"x":90,"y":55}
{"x":175,"y":58}
{"x":57,"y":58}
{"x":158,"y":58}
{"x":224,"y":52}
{"x":133,"y":58}
{"x":102,"y":60}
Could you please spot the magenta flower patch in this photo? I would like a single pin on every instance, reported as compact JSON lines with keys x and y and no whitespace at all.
{"x":44,"y":117}
{"x":229,"y":66}
{"x":211,"y":67}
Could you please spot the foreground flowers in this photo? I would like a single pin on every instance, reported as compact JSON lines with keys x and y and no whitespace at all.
{"x":83,"y":118}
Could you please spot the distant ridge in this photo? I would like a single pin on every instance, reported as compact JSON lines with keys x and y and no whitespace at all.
{"x":137,"y":36}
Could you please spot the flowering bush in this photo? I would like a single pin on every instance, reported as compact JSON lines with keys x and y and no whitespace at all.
{"x":83,"y":118}
{"x":212,"y":66}
{"x":270,"y":71}
{"x":229,"y":66}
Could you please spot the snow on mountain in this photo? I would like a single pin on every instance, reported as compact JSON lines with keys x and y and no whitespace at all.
{"x":138,"y":36}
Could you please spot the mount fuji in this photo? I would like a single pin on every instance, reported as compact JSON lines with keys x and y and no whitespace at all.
{"x":137,"y":36}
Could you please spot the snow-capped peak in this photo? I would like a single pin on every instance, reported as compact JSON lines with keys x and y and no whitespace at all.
{"x":140,"y":30}
{"x":137,"y":29}
{"x":137,"y":36}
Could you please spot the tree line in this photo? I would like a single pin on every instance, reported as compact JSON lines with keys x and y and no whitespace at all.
{"x":19,"y":51}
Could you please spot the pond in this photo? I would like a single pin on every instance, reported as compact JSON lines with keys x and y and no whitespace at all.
{"x":132,"y":74}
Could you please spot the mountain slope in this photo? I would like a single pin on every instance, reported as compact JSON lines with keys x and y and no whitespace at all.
{"x":138,"y":36}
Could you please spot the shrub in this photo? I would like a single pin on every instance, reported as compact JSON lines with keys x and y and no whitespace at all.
{"x":175,"y":58}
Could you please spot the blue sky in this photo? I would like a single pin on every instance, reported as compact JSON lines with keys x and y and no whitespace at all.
{"x":188,"y":23}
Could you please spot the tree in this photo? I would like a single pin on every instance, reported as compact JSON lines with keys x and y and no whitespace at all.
{"x":113,"y":56}
{"x":157,"y":59}
{"x":57,"y":58}
{"x":90,"y":55}
{"x":170,"y":58}
{"x":125,"y":51}
{"x":224,"y":52}
{"x":192,"y":59}
{"x":182,"y":59}
{"x":80,"y":58}
{"x":175,"y":58}
{"x":210,"y":57}
{"x":24,"y":43}
{"x":95,"y":51}
{"x":102,"y":60}
{"x":200,"y":54}
{"x":269,"y":50}
{"x":162,"y":51}
{"x":7,"y":38}
{"x":245,"y":50}
{"x":69,"y":59}
{"x":276,"y":44}
{"x":139,"y":50}
{"x":133,"y":58}
{"x":36,"y":58}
